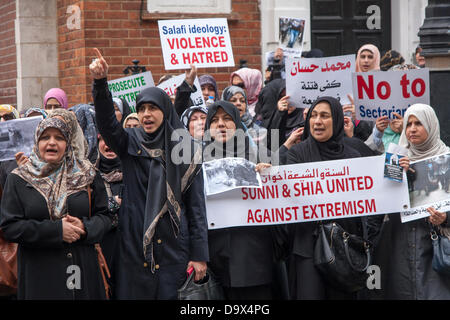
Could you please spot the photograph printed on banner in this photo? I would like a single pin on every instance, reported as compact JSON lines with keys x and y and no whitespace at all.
{"x":229,"y":173}
{"x":17,"y":136}
{"x":430,"y":181}
{"x":392,"y":168}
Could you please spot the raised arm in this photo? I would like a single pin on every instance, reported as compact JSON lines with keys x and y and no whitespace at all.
{"x":110,"y":129}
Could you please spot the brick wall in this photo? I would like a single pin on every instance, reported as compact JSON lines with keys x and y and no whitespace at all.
{"x":115,"y":28}
{"x":8,"y":69}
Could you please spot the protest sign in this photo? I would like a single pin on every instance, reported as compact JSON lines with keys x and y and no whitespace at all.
{"x":310,"y":78}
{"x":17,"y":136}
{"x":290,"y":35}
{"x":203,"y":42}
{"x":129,"y":87}
{"x":378,"y":94}
{"x":170,"y":87}
{"x":309,"y":192}
{"x":229,"y":173}
{"x":429,"y":187}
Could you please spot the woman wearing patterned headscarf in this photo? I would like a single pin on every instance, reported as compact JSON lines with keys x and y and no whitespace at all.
{"x":237,"y":96}
{"x":194,"y":120}
{"x":46,"y":210}
{"x":405,"y":251}
{"x":8,"y":112}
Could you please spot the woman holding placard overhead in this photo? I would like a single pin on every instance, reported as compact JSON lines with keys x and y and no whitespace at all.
{"x":323,"y":140}
{"x":406,"y":269}
{"x":162,"y":229}
{"x":241,"y":257}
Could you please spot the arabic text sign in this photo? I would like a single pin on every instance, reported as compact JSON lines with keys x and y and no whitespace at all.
{"x":202,"y":42}
{"x":170,"y":87}
{"x":429,"y":187}
{"x":310,"y":192}
{"x":129,"y":87}
{"x":17,"y":136}
{"x":378,"y":94}
{"x":308,"y":79}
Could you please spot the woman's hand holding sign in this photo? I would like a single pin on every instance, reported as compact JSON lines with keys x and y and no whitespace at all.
{"x":99,"y":67}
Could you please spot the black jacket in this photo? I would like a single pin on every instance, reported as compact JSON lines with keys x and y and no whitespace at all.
{"x":134,"y":279}
{"x":44,"y":260}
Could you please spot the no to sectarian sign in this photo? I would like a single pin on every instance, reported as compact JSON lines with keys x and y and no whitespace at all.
{"x":203,"y":42}
{"x":310,"y":192}
{"x":379,"y":94}
{"x":129,"y":87}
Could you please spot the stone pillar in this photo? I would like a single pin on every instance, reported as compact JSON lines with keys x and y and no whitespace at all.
{"x":37,"y":51}
{"x":435,"y":42}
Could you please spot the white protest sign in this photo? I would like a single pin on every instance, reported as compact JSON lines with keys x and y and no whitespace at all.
{"x":203,"y":42}
{"x":309,"y":192}
{"x":429,"y":187}
{"x":310,"y":78}
{"x":17,"y":136}
{"x":170,"y":87}
{"x":129,"y":87}
{"x":380,"y":93}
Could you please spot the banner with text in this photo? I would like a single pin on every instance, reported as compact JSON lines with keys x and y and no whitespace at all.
{"x":310,"y":78}
{"x":129,"y":87}
{"x":170,"y":87}
{"x":380,"y":93}
{"x":203,"y":42}
{"x":429,"y":186}
{"x":310,"y":192}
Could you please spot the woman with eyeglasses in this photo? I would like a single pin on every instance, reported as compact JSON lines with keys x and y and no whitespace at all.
{"x":55,"y":98}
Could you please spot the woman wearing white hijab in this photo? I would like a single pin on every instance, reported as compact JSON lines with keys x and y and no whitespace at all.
{"x":405,"y":249}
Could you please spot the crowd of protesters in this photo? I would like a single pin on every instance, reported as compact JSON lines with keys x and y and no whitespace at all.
{"x":100,"y":176}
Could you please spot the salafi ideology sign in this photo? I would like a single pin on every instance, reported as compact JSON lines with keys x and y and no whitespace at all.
{"x":310,"y":78}
{"x":204,"y":43}
{"x":129,"y":87}
{"x":381,"y":93}
{"x":310,"y":192}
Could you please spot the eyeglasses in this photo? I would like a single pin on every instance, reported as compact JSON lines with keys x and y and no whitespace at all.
{"x":52,"y":106}
{"x":7,"y":116}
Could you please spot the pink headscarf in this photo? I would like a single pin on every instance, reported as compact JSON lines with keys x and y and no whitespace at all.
{"x":59,"y":95}
{"x":253,"y":84}
{"x":376,"y":54}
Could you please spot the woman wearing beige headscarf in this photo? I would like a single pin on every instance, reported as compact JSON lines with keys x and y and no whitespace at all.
{"x":368,"y":58}
{"x":405,"y":250}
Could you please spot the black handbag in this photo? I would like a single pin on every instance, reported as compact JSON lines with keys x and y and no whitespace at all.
{"x":342,"y":258}
{"x":441,"y":252}
{"x":209,"y":288}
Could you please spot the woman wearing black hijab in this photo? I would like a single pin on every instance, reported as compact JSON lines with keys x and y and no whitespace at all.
{"x":162,"y":220}
{"x":271,"y":117}
{"x":323,"y":140}
{"x":241,"y":257}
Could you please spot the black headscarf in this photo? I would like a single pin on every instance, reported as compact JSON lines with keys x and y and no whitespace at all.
{"x":267,"y":102}
{"x":336,"y":147}
{"x":167,"y":180}
{"x":238,"y":149}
